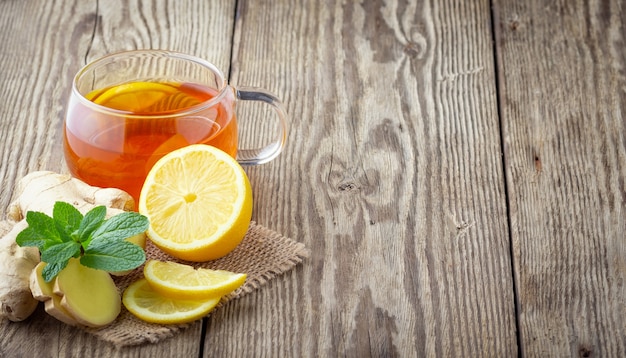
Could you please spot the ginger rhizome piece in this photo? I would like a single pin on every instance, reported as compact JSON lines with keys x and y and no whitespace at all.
{"x":39,"y":191}
{"x":89,"y":295}
{"x":44,"y":292}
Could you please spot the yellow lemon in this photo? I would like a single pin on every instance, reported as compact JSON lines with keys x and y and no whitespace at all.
{"x":133,"y":96}
{"x":199,"y":203}
{"x":176,"y":280}
{"x":145,"y":303}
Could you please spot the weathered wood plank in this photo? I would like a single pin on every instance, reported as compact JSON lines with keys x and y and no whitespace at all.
{"x":563,"y":95}
{"x":392,"y":176}
{"x":35,"y":73}
{"x":43,"y":44}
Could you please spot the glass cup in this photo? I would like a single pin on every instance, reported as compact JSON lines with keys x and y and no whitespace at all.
{"x":129,"y":109}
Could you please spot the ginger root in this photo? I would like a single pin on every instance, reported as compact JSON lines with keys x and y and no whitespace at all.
{"x":16,"y":263}
{"x":88,"y":295}
{"x":38,"y":191}
{"x":44,"y":291}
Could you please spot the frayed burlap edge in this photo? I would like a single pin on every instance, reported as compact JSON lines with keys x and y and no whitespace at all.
{"x":262,"y":255}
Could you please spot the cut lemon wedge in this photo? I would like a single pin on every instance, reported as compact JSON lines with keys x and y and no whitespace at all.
{"x":180,"y":281}
{"x":145,"y":303}
{"x":133,"y":97}
{"x":199,"y":203}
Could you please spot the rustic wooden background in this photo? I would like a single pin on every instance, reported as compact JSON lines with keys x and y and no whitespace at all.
{"x":457,"y":168}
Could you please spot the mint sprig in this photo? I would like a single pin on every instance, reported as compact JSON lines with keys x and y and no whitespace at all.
{"x":99,"y":243}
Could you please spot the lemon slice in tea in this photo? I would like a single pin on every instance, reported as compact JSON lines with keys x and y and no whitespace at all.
{"x":199,"y":203}
{"x":134,"y":97}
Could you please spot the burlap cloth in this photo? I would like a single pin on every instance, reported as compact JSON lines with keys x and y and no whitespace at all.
{"x":262,"y":255}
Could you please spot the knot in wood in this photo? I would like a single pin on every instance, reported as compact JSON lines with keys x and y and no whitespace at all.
{"x":348,"y":186}
{"x":413,"y":49}
{"x":584,"y":352}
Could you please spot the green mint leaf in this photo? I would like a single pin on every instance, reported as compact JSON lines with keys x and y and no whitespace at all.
{"x":51,"y":270}
{"x":31,"y":237}
{"x":66,"y":216}
{"x":63,"y":233}
{"x":120,"y":227}
{"x":99,"y":243}
{"x":113,"y":255}
{"x":44,"y":227}
{"x":92,"y":220}
{"x":61,"y":252}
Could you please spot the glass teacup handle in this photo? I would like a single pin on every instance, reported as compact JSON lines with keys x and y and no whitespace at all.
{"x":273,"y":149}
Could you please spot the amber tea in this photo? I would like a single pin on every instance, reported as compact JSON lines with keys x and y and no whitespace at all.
{"x":119,"y":152}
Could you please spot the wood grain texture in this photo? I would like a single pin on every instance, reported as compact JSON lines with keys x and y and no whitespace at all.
{"x":43,"y":44}
{"x":35,"y":75}
{"x":392,"y":176}
{"x":563,"y":95}
{"x":393,"y":173}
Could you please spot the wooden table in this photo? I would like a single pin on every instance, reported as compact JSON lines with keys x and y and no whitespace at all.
{"x":457,"y":169}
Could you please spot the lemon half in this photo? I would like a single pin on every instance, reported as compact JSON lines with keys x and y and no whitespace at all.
{"x":199,"y":203}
